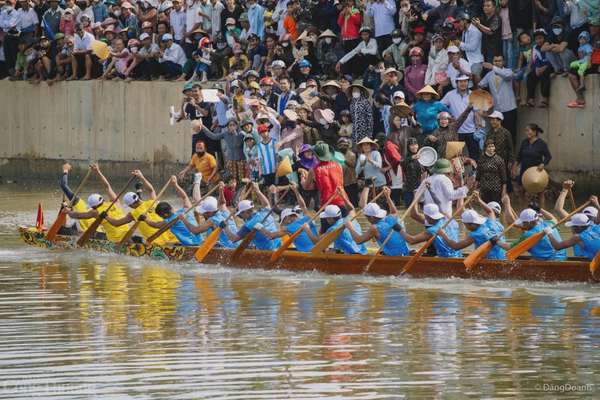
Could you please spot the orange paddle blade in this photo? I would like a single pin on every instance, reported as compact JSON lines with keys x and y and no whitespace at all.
{"x":414,"y":258}
{"x":524,"y":246}
{"x":61,"y":219}
{"x":208,"y":245}
{"x":595,"y":262}
{"x":326,"y":241}
{"x":245,"y":243}
{"x":285,"y":245}
{"x":477,"y":255}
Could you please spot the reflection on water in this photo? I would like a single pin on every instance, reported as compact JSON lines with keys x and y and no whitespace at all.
{"x":85,"y":325}
{"x":78,"y":325}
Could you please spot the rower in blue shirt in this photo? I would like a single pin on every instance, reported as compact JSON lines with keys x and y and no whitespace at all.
{"x":382,"y":225}
{"x":344,"y":243}
{"x":179,"y":229}
{"x":493,"y":211}
{"x":293,"y":220}
{"x":215,"y":214}
{"x":478,"y":233}
{"x":529,"y":221}
{"x":584,"y":236}
{"x":259,"y":220}
{"x":433,"y":220}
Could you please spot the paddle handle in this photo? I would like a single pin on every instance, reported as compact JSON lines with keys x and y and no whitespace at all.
{"x":359,"y":212}
{"x":575,"y":211}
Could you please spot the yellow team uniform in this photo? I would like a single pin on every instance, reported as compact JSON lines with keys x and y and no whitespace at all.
{"x":84,"y":224}
{"x":113,"y":233}
{"x":146,"y":230}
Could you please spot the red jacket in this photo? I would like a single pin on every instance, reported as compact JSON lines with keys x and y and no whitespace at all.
{"x":350,"y":26}
{"x":329,"y":175}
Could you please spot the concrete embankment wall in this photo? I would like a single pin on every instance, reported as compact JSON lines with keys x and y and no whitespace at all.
{"x":126,"y":125}
{"x":121,"y":125}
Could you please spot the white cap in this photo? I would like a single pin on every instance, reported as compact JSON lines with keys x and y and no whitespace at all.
{"x":297,"y":210}
{"x":462,"y":77}
{"x":399,"y":93}
{"x":278,"y":63}
{"x":167,"y":36}
{"x":373,"y":210}
{"x":331,"y":211}
{"x":432,"y":211}
{"x":498,"y":115}
{"x":94,"y":200}
{"x":591,"y":211}
{"x":527,"y":215}
{"x":472,"y":217}
{"x":453,"y":49}
{"x":130,"y":198}
{"x":209,"y":204}
{"x":144,"y":36}
{"x":494,"y":205}
{"x":286,"y":213}
{"x":579,"y":219}
{"x":244,"y":205}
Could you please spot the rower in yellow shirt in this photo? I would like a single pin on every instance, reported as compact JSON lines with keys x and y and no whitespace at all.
{"x":97,"y":206}
{"x":78,"y":204}
{"x":140,"y":207}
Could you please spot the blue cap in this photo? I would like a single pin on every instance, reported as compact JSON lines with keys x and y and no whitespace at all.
{"x":304,"y":64}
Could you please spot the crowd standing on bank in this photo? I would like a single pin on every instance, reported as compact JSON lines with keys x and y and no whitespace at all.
{"x":328,"y":94}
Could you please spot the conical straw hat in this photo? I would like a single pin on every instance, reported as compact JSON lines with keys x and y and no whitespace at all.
{"x":535,"y":181}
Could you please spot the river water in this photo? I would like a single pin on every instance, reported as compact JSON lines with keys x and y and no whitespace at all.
{"x":79,"y":325}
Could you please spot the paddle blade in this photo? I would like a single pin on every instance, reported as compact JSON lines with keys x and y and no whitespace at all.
{"x":326,"y":241}
{"x":477,"y":255}
{"x":208,"y":245}
{"x":245,"y":243}
{"x":129,"y":233}
{"x":61,"y":219}
{"x":90,"y":232}
{"x":524,"y":246}
{"x":285,"y":245}
{"x":39,"y":221}
{"x":595,"y":262}
{"x":419,"y":253}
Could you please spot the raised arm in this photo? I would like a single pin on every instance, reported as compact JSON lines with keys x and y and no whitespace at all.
{"x":147,"y":184}
{"x":181,"y":193}
{"x":109,"y":190}
{"x":559,"y":206}
{"x":299,"y":198}
{"x":490,"y":213}
{"x":511,"y":215}
{"x":390,"y":203}
{"x":260,"y":196}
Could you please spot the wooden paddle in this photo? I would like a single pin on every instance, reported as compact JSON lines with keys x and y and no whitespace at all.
{"x":595,"y":263}
{"x":428,"y":243}
{"x":168,"y":225}
{"x":479,"y":253}
{"x":250,"y":236}
{"x":94,"y":226}
{"x":331,"y":236}
{"x":290,"y":239}
{"x":531,"y":241}
{"x":389,"y":236}
{"x":131,"y":230}
{"x":213,"y":238}
{"x":61,"y":218}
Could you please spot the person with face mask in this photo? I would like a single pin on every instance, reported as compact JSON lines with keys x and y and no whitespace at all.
{"x":557,"y":51}
{"x":256,"y":18}
{"x":364,"y":54}
{"x":361,"y":113}
{"x":396,"y":53}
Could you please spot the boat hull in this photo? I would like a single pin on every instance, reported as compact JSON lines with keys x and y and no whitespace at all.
{"x":329,"y":263}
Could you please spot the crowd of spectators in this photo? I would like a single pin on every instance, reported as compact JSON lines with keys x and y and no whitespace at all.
{"x":368,"y":82}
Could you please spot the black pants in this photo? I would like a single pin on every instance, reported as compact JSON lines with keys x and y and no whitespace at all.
{"x":510,"y":123}
{"x":350,"y":44}
{"x":471,"y":143}
{"x":543,"y":80}
{"x":147,"y":69}
{"x":11,"y":48}
{"x":352,"y":191}
{"x":491,"y":195}
{"x":383,"y":42}
{"x":358,"y":64}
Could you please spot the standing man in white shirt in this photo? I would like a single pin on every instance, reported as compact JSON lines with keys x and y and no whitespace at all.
{"x":471,"y":45}
{"x":193,"y":20}
{"x":382,"y":12}
{"x":440,"y":189}
{"x":177,"y":19}
{"x":457,"y":101}
{"x":8,"y":25}
{"x":217,"y":9}
{"x":172,"y":58}
{"x":82,"y":53}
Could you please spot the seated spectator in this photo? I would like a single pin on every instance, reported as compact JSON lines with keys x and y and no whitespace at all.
{"x":556,"y":48}
{"x":146,"y":65}
{"x":396,"y":53}
{"x":364,"y":54}
{"x":83,"y":61}
{"x":540,"y":70}
{"x":579,"y":70}
{"x":172,"y":58}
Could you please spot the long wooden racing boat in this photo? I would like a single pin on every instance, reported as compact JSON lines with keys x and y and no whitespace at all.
{"x":425,"y":267}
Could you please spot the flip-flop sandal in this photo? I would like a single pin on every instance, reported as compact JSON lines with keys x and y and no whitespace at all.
{"x":543,"y":104}
{"x":575,"y":104}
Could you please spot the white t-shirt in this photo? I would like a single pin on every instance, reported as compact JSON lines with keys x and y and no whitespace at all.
{"x":83,"y":43}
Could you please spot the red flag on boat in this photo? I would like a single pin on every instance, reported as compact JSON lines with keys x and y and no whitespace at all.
{"x":39,"y":221}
